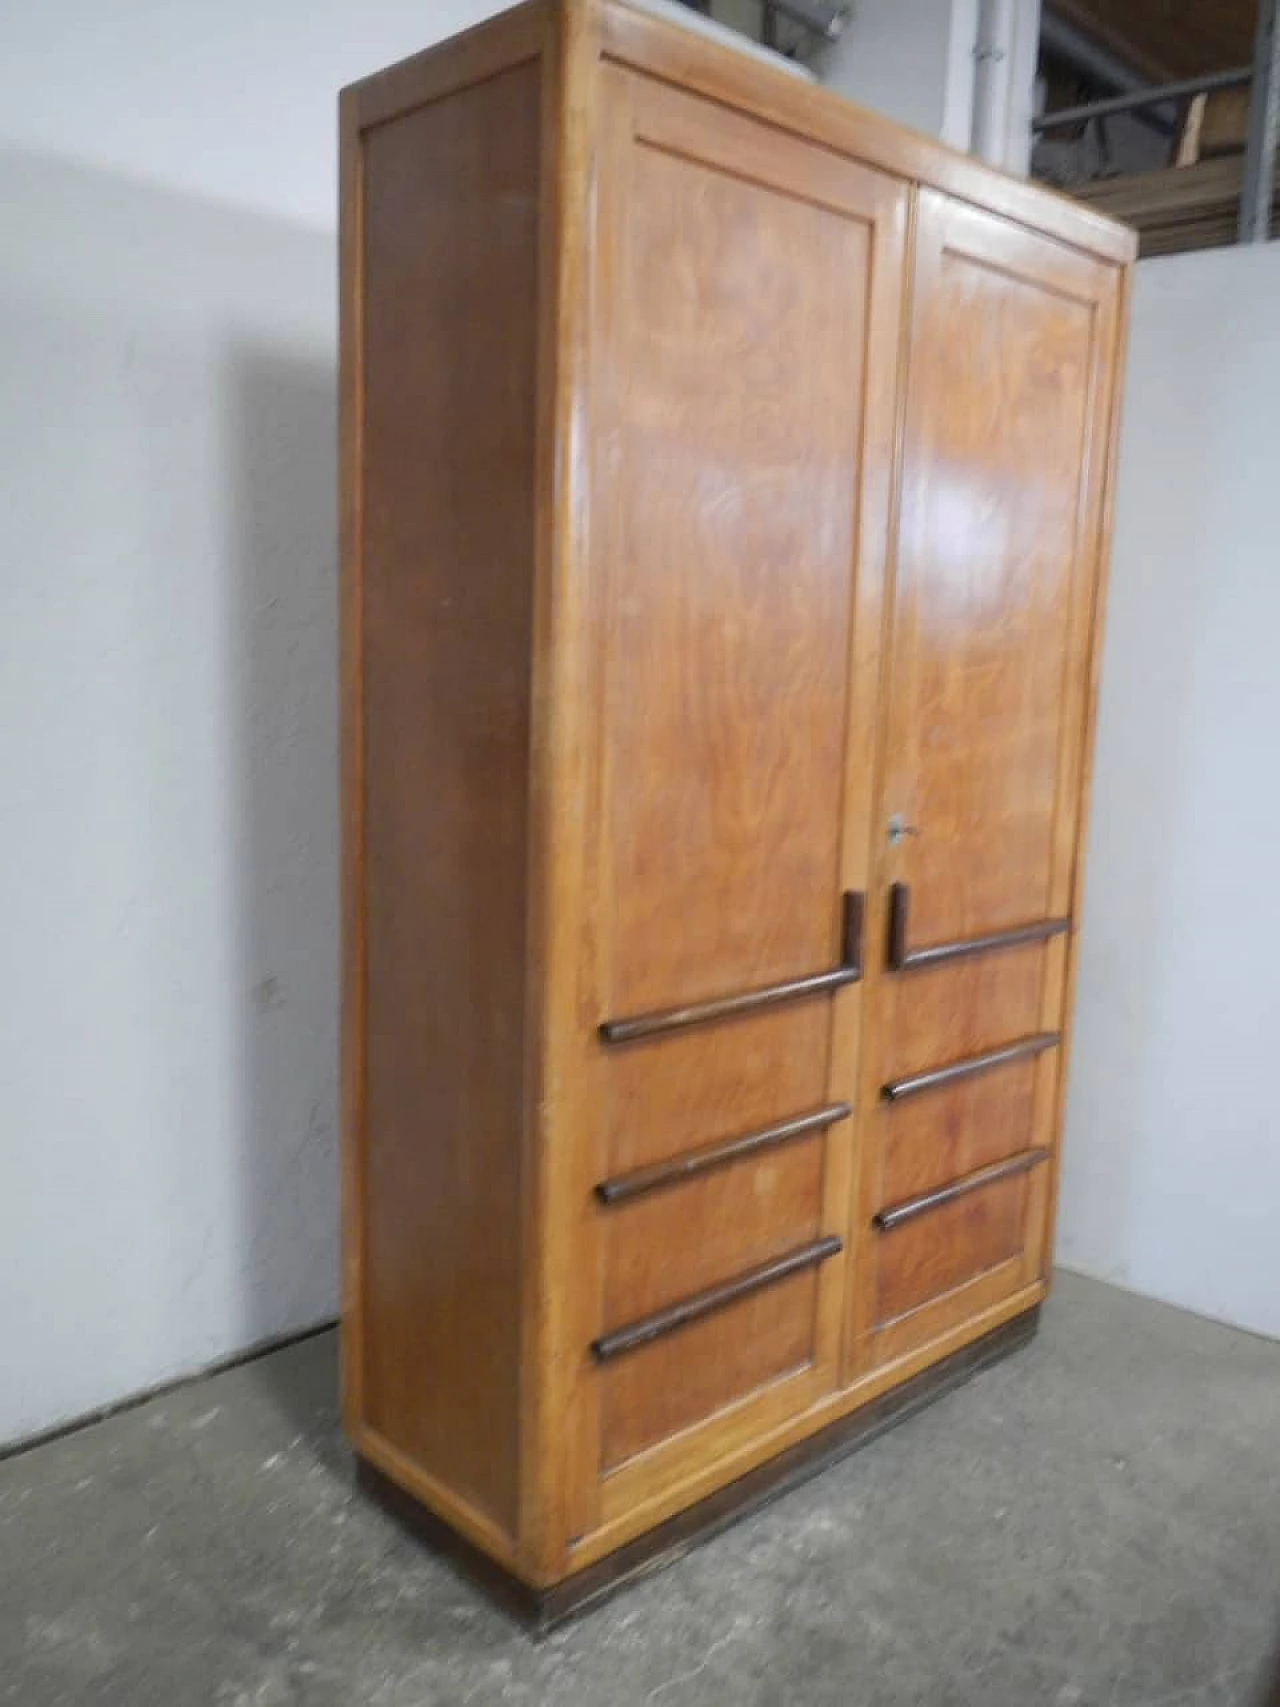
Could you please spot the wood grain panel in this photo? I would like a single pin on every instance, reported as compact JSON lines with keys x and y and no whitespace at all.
{"x":450,"y":233}
{"x":728,"y":1222}
{"x":964,"y":1008}
{"x":998,"y":558}
{"x":558,"y":1309}
{"x":958,"y":1011}
{"x":514,"y":36}
{"x":926,"y":1258}
{"x":1002,"y":372}
{"x":934,"y":1138}
{"x":687,"y":1090}
{"x":650,"y":1395}
{"x":731,"y":586}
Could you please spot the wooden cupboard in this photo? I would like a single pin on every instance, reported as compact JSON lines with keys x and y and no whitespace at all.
{"x":725,"y":490}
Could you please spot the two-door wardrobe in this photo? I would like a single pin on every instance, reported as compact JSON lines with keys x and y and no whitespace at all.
{"x":726,"y":481}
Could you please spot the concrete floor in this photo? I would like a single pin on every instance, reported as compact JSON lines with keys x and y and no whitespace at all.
{"x":1094,"y":1523}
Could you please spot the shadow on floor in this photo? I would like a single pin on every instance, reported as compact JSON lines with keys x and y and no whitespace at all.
{"x":1269,"y":1692}
{"x":302,"y":1383}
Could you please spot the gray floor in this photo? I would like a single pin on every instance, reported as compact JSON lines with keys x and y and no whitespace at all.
{"x":1095,"y":1521}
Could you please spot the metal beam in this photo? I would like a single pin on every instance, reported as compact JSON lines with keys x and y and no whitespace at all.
{"x":1147,"y":97}
{"x":1061,"y":39}
{"x":1264,"y":130}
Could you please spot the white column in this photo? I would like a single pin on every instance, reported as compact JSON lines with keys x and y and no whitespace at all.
{"x":1005,"y":53}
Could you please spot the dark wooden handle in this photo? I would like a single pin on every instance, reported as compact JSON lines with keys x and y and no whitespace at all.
{"x":904,"y":959}
{"x":936,"y":1077}
{"x":714,"y":1298}
{"x":1022,"y":1163}
{"x":622,"y":1187}
{"x":849,"y":971}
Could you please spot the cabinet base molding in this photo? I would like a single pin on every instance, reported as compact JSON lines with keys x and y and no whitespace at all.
{"x":543,"y":1609}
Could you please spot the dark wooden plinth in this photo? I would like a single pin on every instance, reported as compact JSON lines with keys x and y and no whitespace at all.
{"x":542,"y":1609}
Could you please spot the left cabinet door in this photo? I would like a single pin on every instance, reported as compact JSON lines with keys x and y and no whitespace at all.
{"x":744,"y":334}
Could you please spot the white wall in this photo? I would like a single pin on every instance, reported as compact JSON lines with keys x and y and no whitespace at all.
{"x":167,"y":706}
{"x":1172,"y":1164}
{"x":913,"y":60}
{"x":168,"y":713}
{"x":234,"y":101}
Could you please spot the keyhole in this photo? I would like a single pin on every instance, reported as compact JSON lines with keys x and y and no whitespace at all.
{"x":899,"y":829}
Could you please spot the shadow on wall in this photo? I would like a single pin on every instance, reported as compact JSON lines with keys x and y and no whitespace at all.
{"x":168,"y":754}
{"x":281,"y":436}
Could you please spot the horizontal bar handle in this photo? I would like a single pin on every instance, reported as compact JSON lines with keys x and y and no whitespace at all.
{"x":936,"y":1077}
{"x":904,"y":959}
{"x":849,"y":971}
{"x":623,"y":1187}
{"x":713,"y":1298}
{"x":1022,"y":1163}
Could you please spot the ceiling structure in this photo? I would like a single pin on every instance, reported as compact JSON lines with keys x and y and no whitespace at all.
{"x":1177,"y":170}
{"x":1164,"y":40}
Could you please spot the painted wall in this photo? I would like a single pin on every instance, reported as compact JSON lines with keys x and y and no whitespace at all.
{"x":167,"y":717}
{"x":1172,"y":1163}
{"x":233,"y":102}
{"x":916,"y":64}
{"x":167,"y":680}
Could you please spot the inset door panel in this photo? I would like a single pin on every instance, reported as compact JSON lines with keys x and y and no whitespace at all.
{"x":995,"y":567}
{"x":651,"y":1394}
{"x":683,"y":1091}
{"x":940,"y":1136}
{"x":962,"y":1009}
{"x":943,"y":1248}
{"x":985,"y":699}
{"x":730,"y":585}
{"x":671,"y":1242}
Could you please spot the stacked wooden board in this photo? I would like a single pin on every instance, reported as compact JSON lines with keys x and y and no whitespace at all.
{"x":1187,"y":207}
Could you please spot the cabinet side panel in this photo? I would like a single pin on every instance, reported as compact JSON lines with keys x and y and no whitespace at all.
{"x":449,"y":259}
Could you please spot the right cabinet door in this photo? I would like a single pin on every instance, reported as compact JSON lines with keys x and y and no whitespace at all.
{"x":987,"y":682}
